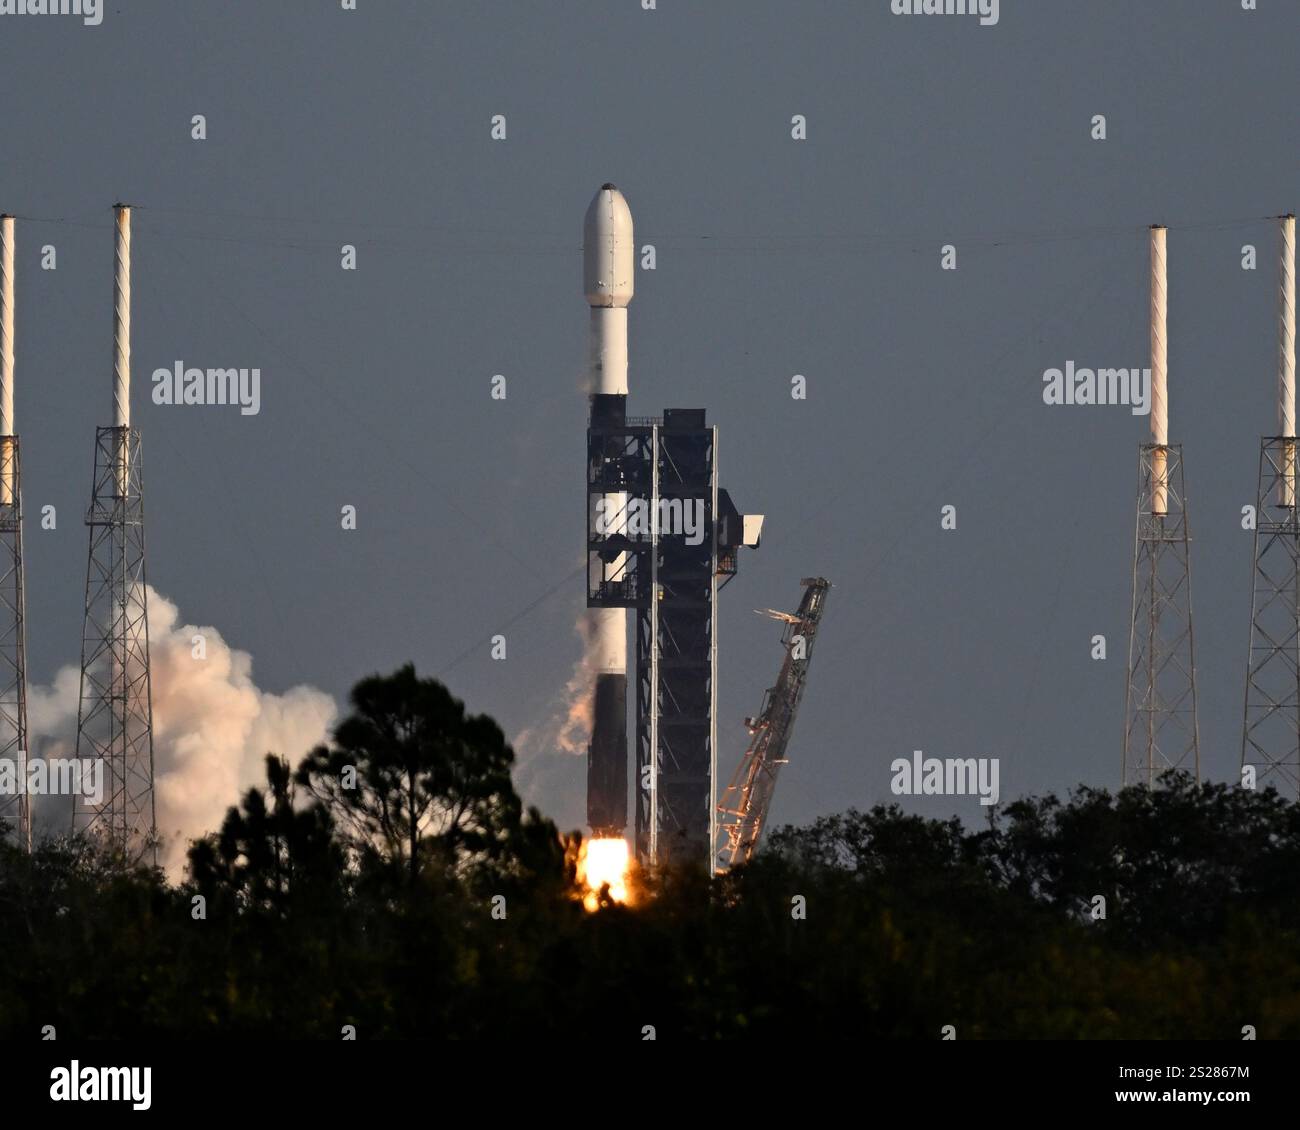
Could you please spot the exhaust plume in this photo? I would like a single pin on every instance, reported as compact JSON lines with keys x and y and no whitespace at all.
{"x":568,"y":729}
{"x":212,"y":729}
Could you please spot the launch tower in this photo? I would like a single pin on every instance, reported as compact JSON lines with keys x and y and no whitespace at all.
{"x":644,"y":474}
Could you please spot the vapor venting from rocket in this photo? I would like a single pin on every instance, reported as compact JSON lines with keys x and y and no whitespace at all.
{"x":213,"y":728}
{"x":568,"y":729}
{"x":574,"y":734}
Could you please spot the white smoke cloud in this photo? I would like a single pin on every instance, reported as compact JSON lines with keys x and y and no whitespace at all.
{"x":212,"y":726}
{"x":568,"y":729}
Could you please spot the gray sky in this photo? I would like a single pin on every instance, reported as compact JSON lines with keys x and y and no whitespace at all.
{"x":821,"y":258}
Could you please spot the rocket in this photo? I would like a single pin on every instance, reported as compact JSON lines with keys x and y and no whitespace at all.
{"x":609,"y":263}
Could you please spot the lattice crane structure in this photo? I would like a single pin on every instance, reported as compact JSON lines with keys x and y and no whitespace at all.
{"x":742,"y":812}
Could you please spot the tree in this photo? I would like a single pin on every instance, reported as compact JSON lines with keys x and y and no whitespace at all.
{"x":412,"y":780}
{"x":269,"y":852}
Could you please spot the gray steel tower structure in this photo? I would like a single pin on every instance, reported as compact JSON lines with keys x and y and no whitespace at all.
{"x":1270,"y":737}
{"x":1161,"y":732}
{"x":15,"y":807}
{"x":115,"y":714}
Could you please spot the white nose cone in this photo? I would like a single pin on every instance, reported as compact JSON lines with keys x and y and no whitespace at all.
{"x":608,"y":250}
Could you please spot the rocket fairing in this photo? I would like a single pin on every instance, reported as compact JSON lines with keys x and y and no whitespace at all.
{"x":609,"y":265}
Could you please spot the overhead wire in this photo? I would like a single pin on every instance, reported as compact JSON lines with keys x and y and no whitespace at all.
{"x":767,"y":242}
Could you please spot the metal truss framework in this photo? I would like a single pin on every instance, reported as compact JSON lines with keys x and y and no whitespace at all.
{"x":115,"y":714}
{"x":1270,"y":738}
{"x":15,"y":808}
{"x":1160,"y":723}
{"x":672,"y":586}
{"x":677,"y":660}
{"x":747,"y":800}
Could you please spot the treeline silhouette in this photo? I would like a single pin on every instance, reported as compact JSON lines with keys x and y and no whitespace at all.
{"x":394,"y":882}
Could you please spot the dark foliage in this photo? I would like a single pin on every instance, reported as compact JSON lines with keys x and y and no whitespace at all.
{"x":424,"y":901}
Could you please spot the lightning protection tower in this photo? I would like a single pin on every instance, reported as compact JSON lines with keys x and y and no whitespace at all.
{"x":1160,"y":726}
{"x":15,"y":807}
{"x":1270,"y":738}
{"x":115,"y":715}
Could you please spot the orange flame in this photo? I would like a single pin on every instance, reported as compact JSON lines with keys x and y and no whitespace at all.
{"x":604,"y":863}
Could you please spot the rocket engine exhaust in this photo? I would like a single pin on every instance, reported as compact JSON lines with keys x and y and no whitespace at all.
{"x":609,"y":256}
